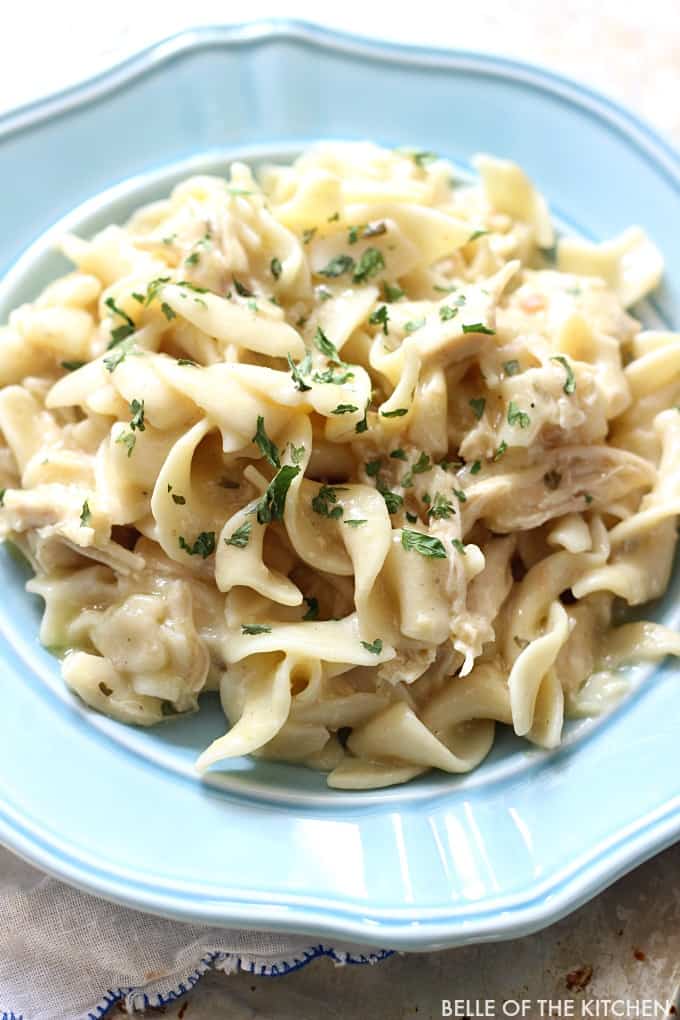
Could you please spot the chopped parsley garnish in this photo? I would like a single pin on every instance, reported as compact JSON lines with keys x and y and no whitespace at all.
{"x":137,"y":412}
{"x":477,"y":233}
{"x":72,"y":366}
{"x":521,"y":642}
{"x":398,"y":454}
{"x":393,"y":501}
{"x":588,"y":498}
{"x":85,"y":513}
{"x":168,"y":311}
{"x":2,"y":496}
{"x":275,"y":268}
{"x":187,"y":361}
{"x":392,"y":291}
{"x":426,"y":545}
{"x":334,"y":218}
{"x":353,"y":235}
{"x":129,"y":440}
{"x":441,"y":508}
{"x":373,"y":467}
{"x":422,"y":465}
{"x":313,"y":611}
{"x":193,"y":259}
{"x":337,"y":266}
{"x":203,"y":546}
{"x":476,"y":467}
{"x":458,"y":546}
{"x":375,"y":647}
{"x":241,"y":289}
{"x":423,"y":158}
{"x":411,"y":518}
{"x":500,"y":451}
{"x":255,"y":628}
{"x":329,"y":376}
{"x":362,"y":426}
{"x":478,"y":404}
{"x":370,"y":263}
{"x":153,"y":289}
{"x":446,"y":312}
{"x":179,"y":500}
{"x":380,"y":317}
{"x":297,"y":371}
{"x":192,"y":286}
{"x":323,"y":344}
{"x":240,"y":538}
{"x":398,"y":412}
{"x":296,"y":453}
{"x":344,"y":409}
{"x":459,"y":494}
{"x":324,"y":503}
{"x":477,"y":327}
{"x":511,"y":367}
{"x":570,"y":382}
{"x":413,"y":325}
{"x":267,"y":448}
{"x":120,"y":351}
{"x":517,"y":417}
{"x":271,"y":506}
{"x":552,"y":479}
{"x":121,"y":332}
{"x":307,"y":235}
{"x":355,"y":522}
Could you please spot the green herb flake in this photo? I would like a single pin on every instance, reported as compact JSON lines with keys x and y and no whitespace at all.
{"x":255,"y":628}
{"x":392,"y":292}
{"x":500,"y":451}
{"x":313,"y":610}
{"x":325,"y":502}
{"x":458,"y":546}
{"x":413,"y":325}
{"x":275,"y":268}
{"x":477,"y":233}
{"x":344,"y":409}
{"x":380,"y":317}
{"x":203,"y":546}
{"x":267,"y":448}
{"x":85,"y":513}
{"x":179,"y":500}
{"x":398,"y":412}
{"x":588,"y":498}
{"x":240,"y":537}
{"x":398,"y":454}
{"x":446,"y":312}
{"x":476,"y":467}
{"x":511,"y":367}
{"x":356,"y":522}
{"x":167,"y":311}
{"x":375,"y":647}
{"x":374,"y":229}
{"x":459,"y":494}
{"x":193,"y":259}
{"x":393,"y":501}
{"x":373,"y":467}
{"x":570,"y":382}
{"x":119,"y":353}
{"x":241,"y":288}
{"x":72,"y":366}
{"x":137,"y":412}
{"x":296,"y":453}
{"x":353,"y":235}
{"x":517,"y":417}
{"x":297,"y":371}
{"x":273,"y":502}
{"x":129,"y":440}
{"x":307,"y":235}
{"x":426,"y":545}
{"x":370,"y":263}
{"x":477,"y":327}
{"x":441,"y":508}
{"x":2,"y":496}
{"x":411,"y":518}
{"x":422,"y":158}
{"x":187,"y":361}
{"x":334,"y":218}
{"x":478,"y":404}
{"x":323,"y":344}
{"x":362,"y":426}
{"x":338,"y":266}
{"x":552,"y":479}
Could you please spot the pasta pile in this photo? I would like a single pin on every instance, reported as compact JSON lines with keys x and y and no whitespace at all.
{"x":357,"y":444}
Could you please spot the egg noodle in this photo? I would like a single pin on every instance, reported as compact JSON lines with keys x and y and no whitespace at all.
{"x":360,"y":445}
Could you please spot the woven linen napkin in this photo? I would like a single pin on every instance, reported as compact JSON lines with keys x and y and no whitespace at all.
{"x":65,"y":955}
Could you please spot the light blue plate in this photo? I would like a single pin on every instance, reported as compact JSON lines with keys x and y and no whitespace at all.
{"x":118,"y":811}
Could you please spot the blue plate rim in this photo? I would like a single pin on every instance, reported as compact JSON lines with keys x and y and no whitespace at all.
{"x":518,"y":915}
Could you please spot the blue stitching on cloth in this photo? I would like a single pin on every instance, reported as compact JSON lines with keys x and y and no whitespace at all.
{"x":143,"y":1001}
{"x":12,"y":1016}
